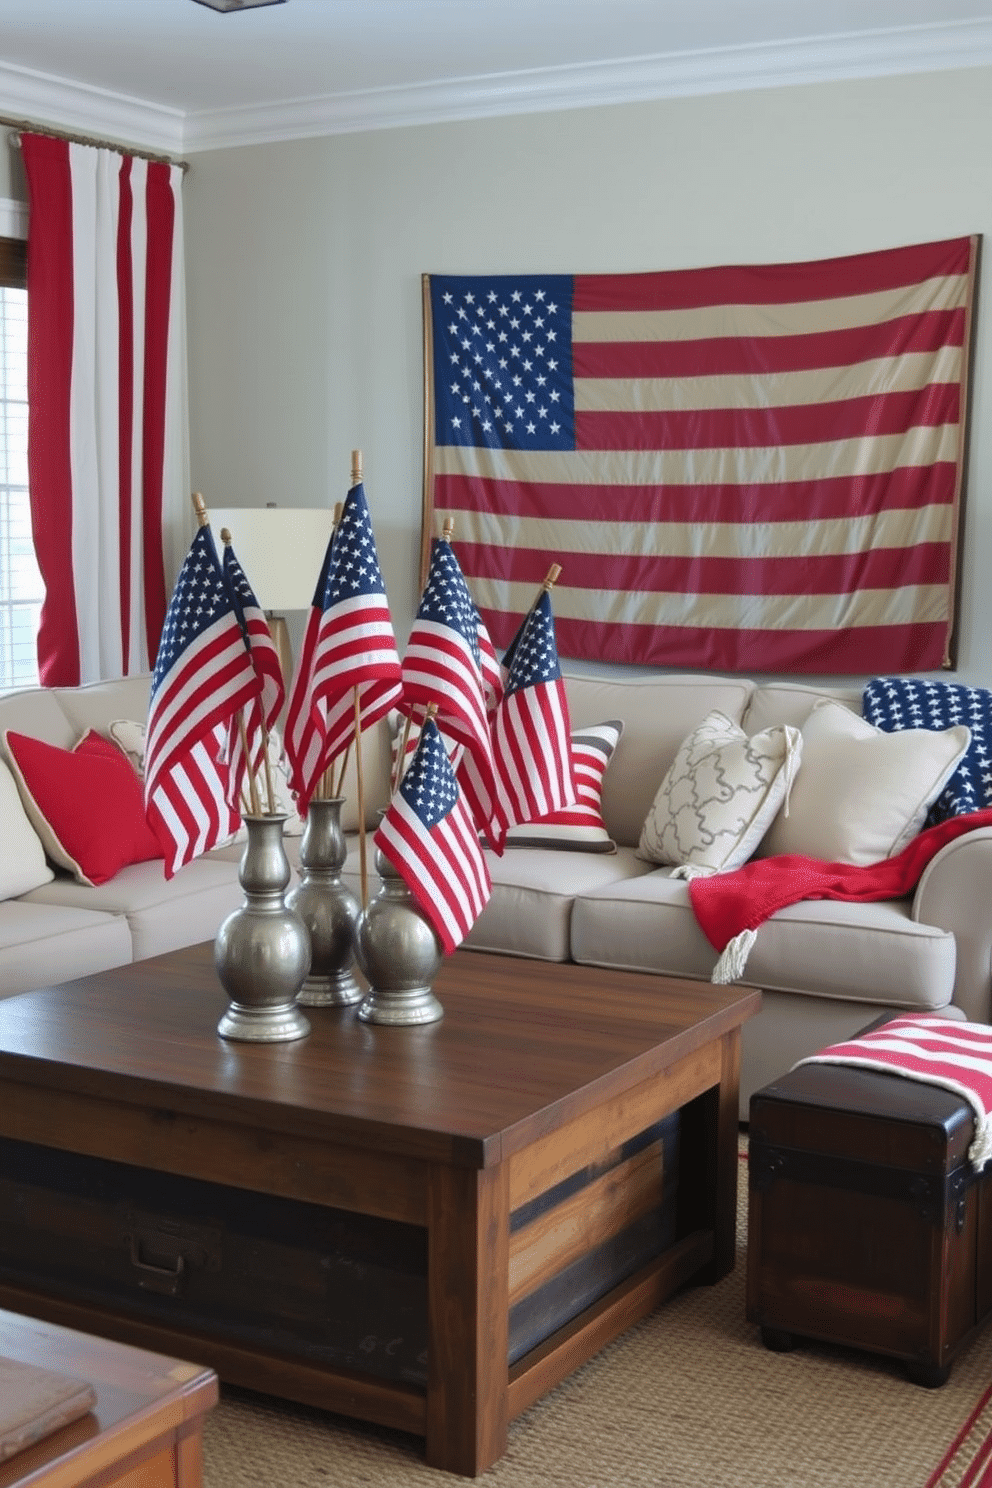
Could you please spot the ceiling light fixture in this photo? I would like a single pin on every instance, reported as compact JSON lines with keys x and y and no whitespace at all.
{"x":238,"y":4}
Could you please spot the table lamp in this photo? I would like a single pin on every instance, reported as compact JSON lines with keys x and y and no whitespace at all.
{"x":280,"y":549}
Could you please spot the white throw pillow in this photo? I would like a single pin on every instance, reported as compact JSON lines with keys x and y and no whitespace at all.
{"x":863,"y":794}
{"x":23,"y":865}
{"x":720,"y":796}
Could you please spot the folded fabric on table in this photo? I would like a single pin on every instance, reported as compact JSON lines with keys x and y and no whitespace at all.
{"x":936,"y":1051}
{"x":730,"y":906}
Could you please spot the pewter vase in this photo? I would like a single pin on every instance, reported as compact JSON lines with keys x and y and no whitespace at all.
{"x":399,"y":953}
{"x":262,"y":950}
{"x":328,"y":908}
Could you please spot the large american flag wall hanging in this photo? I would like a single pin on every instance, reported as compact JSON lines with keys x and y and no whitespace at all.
{"x":753,"y":468}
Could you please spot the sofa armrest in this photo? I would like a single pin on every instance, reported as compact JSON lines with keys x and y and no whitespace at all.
{"x":955,"y":893}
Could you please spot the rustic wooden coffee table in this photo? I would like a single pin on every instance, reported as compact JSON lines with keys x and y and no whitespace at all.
{"x":485,"y":1161}
{"x":146,"y":1427}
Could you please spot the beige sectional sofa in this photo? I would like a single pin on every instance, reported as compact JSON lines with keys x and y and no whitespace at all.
{"x":826,"y":968}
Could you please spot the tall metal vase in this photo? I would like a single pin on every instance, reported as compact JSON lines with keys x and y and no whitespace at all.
{"x":328,"y":908}
{"x":262,"y":950}
{"x":399,"y":953}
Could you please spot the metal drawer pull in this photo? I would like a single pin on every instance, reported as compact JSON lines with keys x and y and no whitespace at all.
{"x":157,"y":1278}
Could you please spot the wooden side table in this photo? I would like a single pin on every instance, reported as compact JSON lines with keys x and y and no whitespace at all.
{"x":146,"y":1427}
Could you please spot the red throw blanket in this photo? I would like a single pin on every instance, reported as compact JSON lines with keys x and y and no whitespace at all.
{"x":731,"y":906}
{"x":937,"y":1051}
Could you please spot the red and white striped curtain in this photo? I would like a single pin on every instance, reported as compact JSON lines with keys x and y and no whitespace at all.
{"x":107,"y":435}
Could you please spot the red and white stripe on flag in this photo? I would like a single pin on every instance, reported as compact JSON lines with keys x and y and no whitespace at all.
{"x":203,"y":677}
{"x":103,"y":246}
{"x":936,"y":1051}
{"x":746,"y":468}
{"x":430,"y":838}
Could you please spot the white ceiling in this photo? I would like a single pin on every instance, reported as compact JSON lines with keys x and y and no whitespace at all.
{"x":174,"y":75}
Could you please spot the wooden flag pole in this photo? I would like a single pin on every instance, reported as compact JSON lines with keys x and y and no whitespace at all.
{"x":356,"y":479}
{"x":200,"y":507}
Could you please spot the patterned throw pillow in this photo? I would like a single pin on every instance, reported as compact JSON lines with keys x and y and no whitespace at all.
{"x":578,"y":828}
{"x":720,"y":796}
{"x":894,"y":703}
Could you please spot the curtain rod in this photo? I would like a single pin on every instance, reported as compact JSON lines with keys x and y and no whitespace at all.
{"x":25,"y":126}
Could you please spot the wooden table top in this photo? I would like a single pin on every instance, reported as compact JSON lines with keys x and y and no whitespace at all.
{"x":140,"y":1396}
{"x":522,"y":1043}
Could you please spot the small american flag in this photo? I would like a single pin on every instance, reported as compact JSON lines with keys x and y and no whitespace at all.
{"x":349,"y":645}
{"x":264,"y":711}
{"x":203,"y":677}
{"x":258,"y":638}
{"x":748,"y":467}
{"x":429,"y":837}
{"x":443,"y":665}
{"x":531,"y":729}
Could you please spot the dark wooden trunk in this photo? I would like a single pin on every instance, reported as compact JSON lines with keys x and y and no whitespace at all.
{"x":867,"y":1224}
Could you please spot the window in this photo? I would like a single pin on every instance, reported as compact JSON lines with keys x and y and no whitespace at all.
{"x":21,"y":587}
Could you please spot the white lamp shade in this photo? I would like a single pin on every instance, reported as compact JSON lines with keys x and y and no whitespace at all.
{"x":280,"y":548}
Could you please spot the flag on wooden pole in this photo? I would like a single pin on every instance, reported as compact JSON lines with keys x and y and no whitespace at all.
{"x":203,"y":677}
{"x":443,"y":667}
{"x":531,"y":729}
{"x":429,"y":837}
{"x":249,"y":744}
{"x":349,"y":651}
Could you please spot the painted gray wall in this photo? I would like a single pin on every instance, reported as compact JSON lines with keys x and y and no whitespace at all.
{"x":305,"y":263}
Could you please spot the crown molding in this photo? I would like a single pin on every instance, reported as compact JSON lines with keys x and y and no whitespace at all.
{"x":77,"y":108}
{"x":69,"y":105}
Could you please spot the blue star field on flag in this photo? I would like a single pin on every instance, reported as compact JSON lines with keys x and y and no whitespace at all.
{"x":446,"y":600}
{"x":894,"y":703}
{"x":535,"y":652}
{"x":199,"y":599}
{"x":429,"y":785}
{"x":503,"y":359}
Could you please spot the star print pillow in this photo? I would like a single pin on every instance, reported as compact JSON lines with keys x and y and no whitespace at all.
{"x":894,"y":703}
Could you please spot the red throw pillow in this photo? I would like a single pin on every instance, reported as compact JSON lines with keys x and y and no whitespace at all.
{"x":86,"y":804}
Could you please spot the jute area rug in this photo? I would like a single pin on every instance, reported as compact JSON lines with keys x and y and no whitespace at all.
{"x":688,"y":1397}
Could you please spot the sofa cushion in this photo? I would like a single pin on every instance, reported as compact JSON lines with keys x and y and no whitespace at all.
{"x":578,"y":828}
{"x":773,"y":703}
{"x":93,"y":704}
{"x":894,"y":703}
{"x":161,"y":914}
{"x":42,"y":944}
{"x":85,"y":804}
{"x":719,"y":796}
{"x":861,"y":795}
{"x":872,"y":952}
{"x":23,"y":864}
{"x":657,"y":712}
{"x":533,"y":888}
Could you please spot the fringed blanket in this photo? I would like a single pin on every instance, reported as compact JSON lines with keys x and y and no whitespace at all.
{"x":936,"y":1051}
{"x":731,"y":906}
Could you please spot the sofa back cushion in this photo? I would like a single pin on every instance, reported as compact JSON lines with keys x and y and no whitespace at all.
{"x":657,"y":712}
{"x":36,"y":712}
{"x":23,"y":865}
{"x":775,"y":703}
{"x":94,"y":705}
